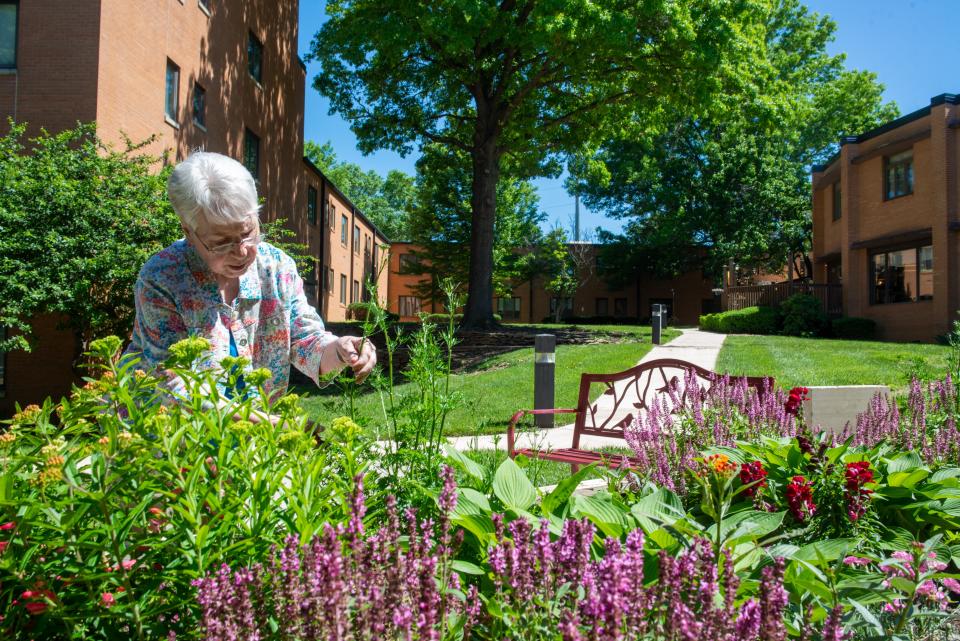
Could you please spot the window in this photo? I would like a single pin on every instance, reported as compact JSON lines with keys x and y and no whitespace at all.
{"x":255,"y":57}
{"x":898,"y":175}
{"x":619,"y":306}
{"x":200,"y":106}
{"x":343,"y":230}
{"x":8,"y":35}
{"x":356,"y":239}
{"x":900,"y":276}
{"x":332,"y":217}
{"x":343,"y":289}
{"x":837,"y":200}
{"x":566,"y":305}
{"x":355,"y":292}
{"x":408,"y":263}
{"x":602,"y":307}
{"x":509,"y":308}
{"x":328,"y":285}
{"x":311,"y":205}
{"x":251,"y":153}
{"x":205,"y":5}
{"x":366,"y":245}
{"x":172,"y":93}
{"x":409,"y":305}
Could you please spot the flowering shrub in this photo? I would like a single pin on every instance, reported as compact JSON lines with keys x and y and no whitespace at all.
{"x":344,"y":583}
{"x":679,"y":427}
{"x":111,"y":503}
{"x":928,"y":424}
{"x":347,"y":583}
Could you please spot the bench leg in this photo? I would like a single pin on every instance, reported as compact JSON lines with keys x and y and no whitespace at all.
{"x":574,"y":468}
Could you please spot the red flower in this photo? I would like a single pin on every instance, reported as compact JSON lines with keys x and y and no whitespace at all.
{"x":800,"y":498}
{"x":753,"y":473}
{"x":797,"y":396}
{"x":857,"y":475}
{"x":8,"y":526}
{"x":3,"y":546}
{"x":36,"y":607}
{"x":107,"y":599}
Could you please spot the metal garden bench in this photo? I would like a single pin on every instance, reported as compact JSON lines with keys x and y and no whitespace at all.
{"x":624,"y":394}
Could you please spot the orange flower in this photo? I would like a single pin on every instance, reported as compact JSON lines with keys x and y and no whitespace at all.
{"x":721,"y":464}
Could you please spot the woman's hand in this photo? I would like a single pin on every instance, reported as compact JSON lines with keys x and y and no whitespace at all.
{"x":356,"y":353}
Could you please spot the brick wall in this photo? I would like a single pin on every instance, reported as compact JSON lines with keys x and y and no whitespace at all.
{"x":45,"y":371}
{"x":871,"y":223}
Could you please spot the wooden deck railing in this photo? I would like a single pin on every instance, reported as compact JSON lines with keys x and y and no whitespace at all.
{"x":830,"y":295}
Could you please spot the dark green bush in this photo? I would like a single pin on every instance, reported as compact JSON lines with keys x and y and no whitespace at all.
{"x":443,"y":319}
{"x":854,"y":328}
{"x":710,"y":322}
{"x":750,"y":320}
{"x":803,"y":315}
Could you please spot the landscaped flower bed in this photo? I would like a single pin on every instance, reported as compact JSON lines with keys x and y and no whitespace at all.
{"x":125,"y":517}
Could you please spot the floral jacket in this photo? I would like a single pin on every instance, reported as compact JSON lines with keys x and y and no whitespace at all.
{"x":273,"y":325}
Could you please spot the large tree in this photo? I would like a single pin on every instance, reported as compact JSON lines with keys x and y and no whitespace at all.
{"x":521,"y":80}
{"x":734,"y":184}
{"x":441,"y":223}
{"x":386,"y":201}
{"x":77,"y":221}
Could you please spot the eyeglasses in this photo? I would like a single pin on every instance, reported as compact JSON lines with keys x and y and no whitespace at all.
{"x":254,"y":239}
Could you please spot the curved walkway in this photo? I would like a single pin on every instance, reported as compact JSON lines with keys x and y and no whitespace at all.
{"x":694,"y":346}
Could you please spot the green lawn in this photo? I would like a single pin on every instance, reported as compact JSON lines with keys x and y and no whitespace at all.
{"x":810,"y":361}
{"x":499,"y":386}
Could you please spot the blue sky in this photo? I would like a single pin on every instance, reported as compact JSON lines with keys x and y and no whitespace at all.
{"x":909,"y":44}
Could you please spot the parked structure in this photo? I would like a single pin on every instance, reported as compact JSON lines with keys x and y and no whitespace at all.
{"x":686,"y":296}
{"x":194,"y":74}
{"x":886,"y":212}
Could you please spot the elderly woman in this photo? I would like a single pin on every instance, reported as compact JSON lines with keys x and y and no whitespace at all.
{"x":223,"y":282}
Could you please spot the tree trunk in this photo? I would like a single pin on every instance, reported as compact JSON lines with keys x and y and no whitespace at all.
{"x":486,"y":173}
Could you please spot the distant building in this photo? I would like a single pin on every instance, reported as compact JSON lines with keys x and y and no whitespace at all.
{"x":218,"y":75}
{"x":687,"y":296}
{"x":886,"y":212}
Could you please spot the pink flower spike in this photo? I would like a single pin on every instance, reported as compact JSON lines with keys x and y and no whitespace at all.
{"x":856,"y":561}
{"x":952,"y":584}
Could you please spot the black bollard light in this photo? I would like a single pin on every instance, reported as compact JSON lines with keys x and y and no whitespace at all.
{"x":656,"y":323}
{"x":544,"y":364}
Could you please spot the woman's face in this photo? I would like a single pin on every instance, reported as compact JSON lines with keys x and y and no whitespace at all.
{"x":227,"y":249}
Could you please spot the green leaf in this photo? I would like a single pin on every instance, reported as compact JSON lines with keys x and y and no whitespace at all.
{"x":867,"y":616}
{"x":602,"y":512}
{"x":824,"y":551}
{"x":904,"y":462}
{"x":945,"y":473}
{"x":908,"y":479}
{"x":465,"y":567}
{"x":662,"y":506}
{"x":464,"y":462}
{"x":470,"y":501}
{"x":747,"y":525}
{"x":512,"y":486}
{"x":564,"y":490}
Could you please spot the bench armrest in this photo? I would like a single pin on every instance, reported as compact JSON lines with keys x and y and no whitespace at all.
{"x":511,"y":438}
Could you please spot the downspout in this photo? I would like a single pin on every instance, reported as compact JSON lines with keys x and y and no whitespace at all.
{"x":324,"y":231}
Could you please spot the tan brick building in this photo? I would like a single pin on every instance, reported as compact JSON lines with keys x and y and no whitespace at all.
{"x":886,"y":212}
{"x":687,"y":296}
{"x":219,"y":75}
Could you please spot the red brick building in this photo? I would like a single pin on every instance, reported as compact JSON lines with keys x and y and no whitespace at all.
{"x":886,"y":212}
{"x":687,"y":296}
{"x":219,"y":75}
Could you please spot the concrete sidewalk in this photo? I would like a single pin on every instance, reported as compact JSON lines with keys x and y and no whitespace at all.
{"x":694,"y":346}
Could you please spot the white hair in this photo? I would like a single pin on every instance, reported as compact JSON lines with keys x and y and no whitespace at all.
{"x":212,"y":186}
